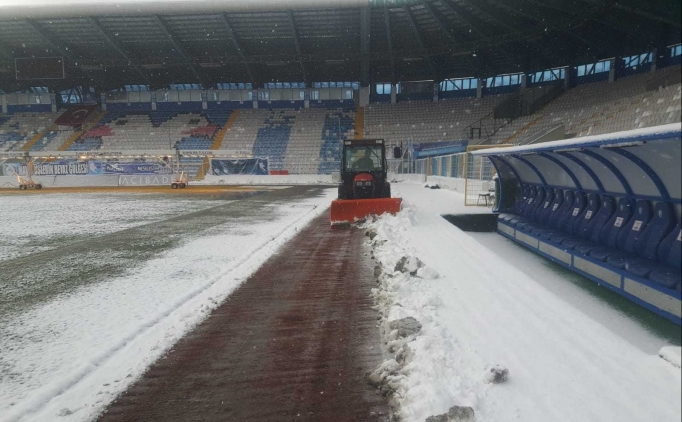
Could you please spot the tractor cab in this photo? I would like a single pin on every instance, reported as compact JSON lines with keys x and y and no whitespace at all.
{"x":364,"y":170}
{"x":364,"y":189}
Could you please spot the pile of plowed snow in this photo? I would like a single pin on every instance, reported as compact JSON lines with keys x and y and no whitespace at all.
{"x":474,"y":337}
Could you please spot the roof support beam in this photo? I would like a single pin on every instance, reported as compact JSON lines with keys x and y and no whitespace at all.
{"x":452,"y":10}
{"x":237,"y":47}
{"x":365,"y":20}
{"x":297,"y":45}
{"x":512,"y":29}
{"x":179,"y":49}
{"x":648,"y":15}
{"x":540,"y":21}
{"x":54,"y":43}
{"x":119,"y":49}
{"x":637,"y":11}
{"x":420,"y":41}
{"x":476,"y":28}
{"x":441,"y":22}
{"x":6,"y":52}
{"x":387,"y":23}
{"x":50,"y":40}
{"x":614,"y":24}
{"x":501,"y":23}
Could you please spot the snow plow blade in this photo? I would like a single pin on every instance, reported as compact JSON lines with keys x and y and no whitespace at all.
{"x":347,"y":211}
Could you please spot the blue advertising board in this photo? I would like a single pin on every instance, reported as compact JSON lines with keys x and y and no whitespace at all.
{"x":253,"y":166}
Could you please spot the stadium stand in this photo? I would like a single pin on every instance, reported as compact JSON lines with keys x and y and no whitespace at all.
{"x":152,"y":130}
{"x":306,"y":140}
{"x":51,"y":140}
{"x":273,"y":136}
{"x":17,"y":130}
{"x":296,"y":140}
{"x":426,"y":121}
{"x":338,"y":126}
{"x":600,"y":107}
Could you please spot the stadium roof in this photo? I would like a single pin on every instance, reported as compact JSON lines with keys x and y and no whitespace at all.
{"x":110,"y":44}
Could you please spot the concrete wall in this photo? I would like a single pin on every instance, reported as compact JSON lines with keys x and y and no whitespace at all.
{"x":293,"y":179}
{"x":451,"y":183}
{"x":417,"y":178}
{"x":64,"y":181}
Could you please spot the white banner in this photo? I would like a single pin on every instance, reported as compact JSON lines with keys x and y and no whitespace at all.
{"x":129,"y":153}
{"x":146,"y":180}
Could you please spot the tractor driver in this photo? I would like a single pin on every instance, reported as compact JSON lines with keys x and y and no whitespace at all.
{"x":365,"y":163}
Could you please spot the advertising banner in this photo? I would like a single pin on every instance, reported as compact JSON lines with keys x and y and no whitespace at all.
{"x":253,"y":166}
{"x":55,"y":168}
{"x":145,"y":180}
{"x":86,"y":168}
{"x":136,"y":168}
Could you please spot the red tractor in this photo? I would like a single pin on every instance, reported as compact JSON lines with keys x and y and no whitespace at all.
{"x":364,"y":187}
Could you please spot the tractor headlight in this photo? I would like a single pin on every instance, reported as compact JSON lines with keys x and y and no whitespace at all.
{"x":358,"y":183}
{"x":368,"y":183}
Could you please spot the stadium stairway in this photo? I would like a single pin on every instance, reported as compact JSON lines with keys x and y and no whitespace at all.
{"x":338,"y":125}
{"x":220,"y":135}
{"x":272,"y":140}
{"x":359,"y":123}
{"x":67,"y":146}
{"x":523,"y":129}
{"x":28,"y":145}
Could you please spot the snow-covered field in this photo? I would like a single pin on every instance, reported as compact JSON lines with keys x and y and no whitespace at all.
{"x":566,"y":363}
{"x":67,"y":357}
{"x":37,"y":223}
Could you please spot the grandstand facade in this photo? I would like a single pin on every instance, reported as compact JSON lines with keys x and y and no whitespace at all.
{"x":256,"y":81}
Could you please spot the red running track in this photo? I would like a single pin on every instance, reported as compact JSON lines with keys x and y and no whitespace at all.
{"x":291,"y":344}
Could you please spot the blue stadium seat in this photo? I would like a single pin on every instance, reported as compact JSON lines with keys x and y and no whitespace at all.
{"x":536,"y":219}
{"x":272,"y":139}
{"x":647,"y":241}
{"x":549,"y":215}
{"x":336,"y":124}
{"x":520,"y":201}
{"x":598,"y":229}
{"x":626,"y":240}
{"x":592,"y":222}
{"x":559,"y":218}
{"x":669,"y":252}
{"x":532,"y":193}
{"x":565,"y":227}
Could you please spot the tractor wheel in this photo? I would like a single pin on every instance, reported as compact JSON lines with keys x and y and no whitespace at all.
{"x":39,"y":186}
{"x":174,"y":185}
{"x":22,"y":187}
{"x":183,"y":185}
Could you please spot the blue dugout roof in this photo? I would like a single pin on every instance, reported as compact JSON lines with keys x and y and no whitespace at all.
{"x":642,"y":163}
{"x":434,"y":149}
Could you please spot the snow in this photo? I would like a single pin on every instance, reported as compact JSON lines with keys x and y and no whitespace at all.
{"x":266,"y":180}
{"x":482,"y":311}
{"x":67,"y":358}
{"x":672,"y":355}
{"x":63,"y":219}
{"x":576,"y":142}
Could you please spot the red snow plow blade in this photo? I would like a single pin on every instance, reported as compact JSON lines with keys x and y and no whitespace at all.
{"x":347,"y":211}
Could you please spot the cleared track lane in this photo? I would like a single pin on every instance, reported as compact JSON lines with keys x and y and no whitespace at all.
{"x":291,"y":344}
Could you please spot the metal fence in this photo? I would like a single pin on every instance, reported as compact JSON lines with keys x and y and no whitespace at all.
{"x":471,"y":174}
